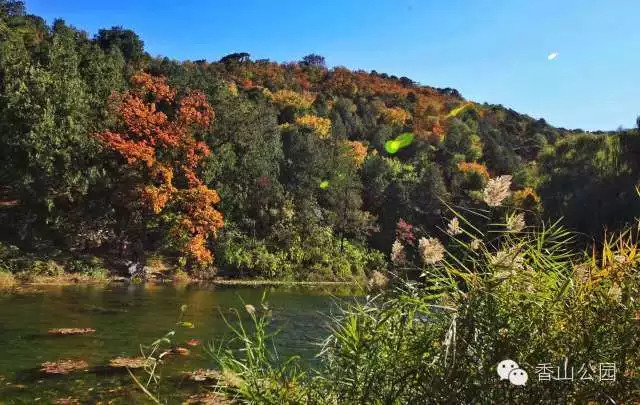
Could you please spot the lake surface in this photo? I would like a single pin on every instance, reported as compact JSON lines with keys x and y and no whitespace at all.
{"x":125,"y":316}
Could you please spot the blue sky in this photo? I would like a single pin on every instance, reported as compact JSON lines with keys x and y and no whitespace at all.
{"x":494,"y":51}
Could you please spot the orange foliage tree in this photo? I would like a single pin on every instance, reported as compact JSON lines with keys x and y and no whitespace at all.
{"x":473,"y":167}
{"x":526,"y":198}
{"x":394,"y":116}
{"x":358,"y":152}
{"x":157,"y":134}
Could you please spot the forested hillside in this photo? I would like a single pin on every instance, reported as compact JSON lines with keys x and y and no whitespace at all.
{"x":257,"y":168}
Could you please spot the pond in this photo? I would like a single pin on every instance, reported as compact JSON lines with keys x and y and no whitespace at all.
{"x":125,"y":316}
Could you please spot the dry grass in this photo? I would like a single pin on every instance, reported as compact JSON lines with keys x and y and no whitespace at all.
{"x":7,"y":280}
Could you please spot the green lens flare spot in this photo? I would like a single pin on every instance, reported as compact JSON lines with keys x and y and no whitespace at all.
{"x":459,"y":109}
{"x":324,"y":184}
{"x":405,"y":139}
{"x":401,"y":141}
{"x":392,"y":146}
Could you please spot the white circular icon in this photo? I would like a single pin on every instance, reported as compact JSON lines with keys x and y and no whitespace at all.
{"x":505,"y":367}
{"x":518,"y":376}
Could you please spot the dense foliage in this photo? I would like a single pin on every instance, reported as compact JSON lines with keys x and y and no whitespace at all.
{"x":107,"y":152}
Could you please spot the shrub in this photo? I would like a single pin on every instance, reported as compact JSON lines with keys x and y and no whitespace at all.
{"x":318,"y":257}
{"x":89,"y":266}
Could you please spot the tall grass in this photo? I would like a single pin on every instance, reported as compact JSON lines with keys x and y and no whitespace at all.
{"x":500,"y":292}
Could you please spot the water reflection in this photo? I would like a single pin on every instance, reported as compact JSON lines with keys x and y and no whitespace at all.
{"x":125,"y":316}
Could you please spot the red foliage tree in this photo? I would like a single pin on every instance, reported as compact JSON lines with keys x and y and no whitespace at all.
{"x":157,"y":135}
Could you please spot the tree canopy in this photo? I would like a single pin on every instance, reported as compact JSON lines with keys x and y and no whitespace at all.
{"x":104,"y":147}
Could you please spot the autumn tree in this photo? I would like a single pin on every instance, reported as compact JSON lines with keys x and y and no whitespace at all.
{"x":159,"y":137}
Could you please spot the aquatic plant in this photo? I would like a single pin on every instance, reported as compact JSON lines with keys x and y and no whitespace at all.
{"x":527,"y":296}
{"x":152,"y":358}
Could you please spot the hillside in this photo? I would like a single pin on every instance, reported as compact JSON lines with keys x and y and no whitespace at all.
{"x":307,"y":165}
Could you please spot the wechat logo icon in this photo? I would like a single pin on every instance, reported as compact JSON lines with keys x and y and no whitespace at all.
{"x":509,"y":370}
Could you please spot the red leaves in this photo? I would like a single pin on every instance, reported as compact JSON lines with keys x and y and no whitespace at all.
{"x":163,"y":150}
{"x":404,"y":232}
{"x":156,"y":86}
{"x":195,"y":110}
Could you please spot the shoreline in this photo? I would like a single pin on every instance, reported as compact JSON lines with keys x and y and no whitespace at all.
{"x":68,"y":280}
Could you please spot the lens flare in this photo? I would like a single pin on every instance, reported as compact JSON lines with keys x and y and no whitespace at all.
{"x":402,"y":141}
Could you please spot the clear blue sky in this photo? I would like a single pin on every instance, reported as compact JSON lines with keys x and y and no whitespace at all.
{"x":494,"y":51}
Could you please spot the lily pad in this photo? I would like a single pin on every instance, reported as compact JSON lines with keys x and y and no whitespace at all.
{"x":66,"y":401}
{"x":182,"y":351}
{"x":63,"y":366}
{"x":203,"y":375}
{"x":208,"y":398}
{"x":193,"y":342}
{"x":129,"y":362}
{"x":71,"y":331}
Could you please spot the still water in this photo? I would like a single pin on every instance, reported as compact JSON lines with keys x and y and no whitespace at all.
{"x":125,"y":316}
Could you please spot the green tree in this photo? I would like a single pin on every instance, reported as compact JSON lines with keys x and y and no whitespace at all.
{"x":12,"y":8}
{"x":127,"y":41}
{"x":45,"y":125}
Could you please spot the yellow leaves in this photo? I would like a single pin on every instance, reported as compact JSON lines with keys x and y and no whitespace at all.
{"x":233,"y":89}
{"x":472,"y":167}
{"x":526,"y":198}
{"x":289,"y":98}
{"x":395,"y":116}
{"x":156,"y":198}
{"x":321,"y":126}
{"x":162,"y":173}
